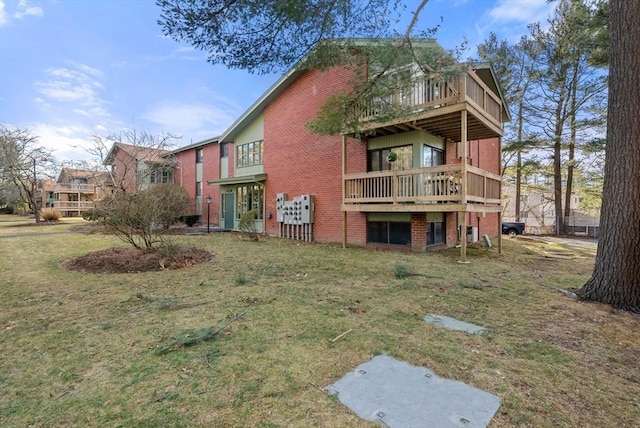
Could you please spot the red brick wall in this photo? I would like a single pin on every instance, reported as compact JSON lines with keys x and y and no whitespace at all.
{"x":419,"y":232}
{"x":297,"y":162}
{"x":485,"y":154}
{"x":185,"y":174}
{"x":211,"y":171}
{"x":185,"y":171}
{"x":126,"y":167}
{"x":451,"y":229}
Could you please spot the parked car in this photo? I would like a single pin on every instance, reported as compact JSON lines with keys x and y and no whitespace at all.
{"x":512,"y":228}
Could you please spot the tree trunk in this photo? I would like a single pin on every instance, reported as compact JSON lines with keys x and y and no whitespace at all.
{"x":557,"y":167}
{"x":572,"y":143}
{"x":616,"y":276}
{"x":519,"y":160}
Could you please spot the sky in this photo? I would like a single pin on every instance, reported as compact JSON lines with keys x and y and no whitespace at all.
{"x":72,"y":69}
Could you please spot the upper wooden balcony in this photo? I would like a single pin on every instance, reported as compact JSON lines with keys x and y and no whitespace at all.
{"x":75,"y":188}
{"x":423,"y":189}
{"x":435,"y":106}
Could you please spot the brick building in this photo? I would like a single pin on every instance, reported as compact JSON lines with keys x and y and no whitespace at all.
{"x":135,"y":168}
{"x":444,"y":185}
{"x":74,"y":192}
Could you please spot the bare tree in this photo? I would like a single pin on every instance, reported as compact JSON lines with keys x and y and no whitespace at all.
{"x":23,"y":162}
{"x":133,"y":159}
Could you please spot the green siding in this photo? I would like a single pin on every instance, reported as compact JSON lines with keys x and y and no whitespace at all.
{"x":249,"y":170}
{"x":253,"y":132}
{"x":435,"y":217}
{"x":393,"y":217}
{"x":415,"y":138}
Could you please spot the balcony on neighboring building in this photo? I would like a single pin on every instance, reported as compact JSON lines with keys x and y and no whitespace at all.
{"x":75,"y":188}
{"x":78,"y":206}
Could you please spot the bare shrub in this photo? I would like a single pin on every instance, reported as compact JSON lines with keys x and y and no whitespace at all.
{"x":247,"y":225}
{"x":139,"y":218}
{"x":50,"y":214}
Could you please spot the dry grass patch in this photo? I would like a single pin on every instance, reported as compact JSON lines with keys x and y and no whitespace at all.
{"x":82,"y":349}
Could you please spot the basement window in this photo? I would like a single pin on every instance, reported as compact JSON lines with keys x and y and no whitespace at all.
{"x":389,"y":232}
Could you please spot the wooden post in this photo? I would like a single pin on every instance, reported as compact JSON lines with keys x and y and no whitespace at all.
{"x":465,"y":182}
{"x":462,"y":216}
{"x":464,"y":155}
{"x":344,"y":172}
{"x":500,"y":232}
{"x":394,"y":184}
{"x":500,"y":196}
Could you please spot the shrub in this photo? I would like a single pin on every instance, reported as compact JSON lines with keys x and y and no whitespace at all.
{"x":50,"y":214}
{"x":93,"y":214}
{"x":247,"y":225}
{"x":135,"y":217}
{"x":171,"y":199}
{"x":190,"y":220}
{"x":400,"y":271}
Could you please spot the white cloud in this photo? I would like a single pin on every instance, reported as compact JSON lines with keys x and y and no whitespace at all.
{"x":191,"y":120}
{"x":25,"y":10}
{"x":4,"y":18}
{"x":525,"y":11}
{"x":78,"y":85}
{"x":69,"y":142}
{"x":509,"y":18}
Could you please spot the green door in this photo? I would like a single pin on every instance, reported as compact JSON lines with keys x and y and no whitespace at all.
{"x":228,"y":210}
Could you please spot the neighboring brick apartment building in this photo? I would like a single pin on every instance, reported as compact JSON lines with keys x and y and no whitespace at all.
{"x":135,"y":168}
{"x":74,"y":192}
{"x":342,"y":189}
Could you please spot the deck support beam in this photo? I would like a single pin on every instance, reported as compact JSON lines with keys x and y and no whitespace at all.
{"x":462,"y":217}
{"x":500,"y":232}
{"x":344,"y":172}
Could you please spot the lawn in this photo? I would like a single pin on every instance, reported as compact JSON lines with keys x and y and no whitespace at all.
{"x":82,"y":349}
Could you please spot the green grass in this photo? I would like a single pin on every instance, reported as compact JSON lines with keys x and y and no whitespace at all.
{"x":80,"y":349}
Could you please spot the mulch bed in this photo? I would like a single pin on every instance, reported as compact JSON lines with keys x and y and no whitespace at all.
{"x":133,"y":260}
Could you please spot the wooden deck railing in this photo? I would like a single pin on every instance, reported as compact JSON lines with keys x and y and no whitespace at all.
{"x":74,"y":188}
{"x":422,"y":185}
{"x":428,"y":92}
{"x":73,"y":205}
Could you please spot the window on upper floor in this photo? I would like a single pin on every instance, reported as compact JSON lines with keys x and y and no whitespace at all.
{"x":432,"y":156}
{"x":199,"y":155}
{"x":198,"y":188}
{"x":249,"y":154}
{"x":377,"y":158}
{"x":160,"y":176}
{"x":224,"y":150}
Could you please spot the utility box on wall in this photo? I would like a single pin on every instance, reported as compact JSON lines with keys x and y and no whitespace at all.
{"x":281,"y":198}
{"x":307,"y":208}
{"x":295,"y":217}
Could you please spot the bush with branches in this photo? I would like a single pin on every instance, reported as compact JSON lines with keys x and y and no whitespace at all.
{"x":190,"y":219}
{"x":247,"y":225}
{"x":139,"y":218}
{"x":50,"y":214}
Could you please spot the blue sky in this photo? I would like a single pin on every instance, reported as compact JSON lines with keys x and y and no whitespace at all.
{"x":70,"y":69}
